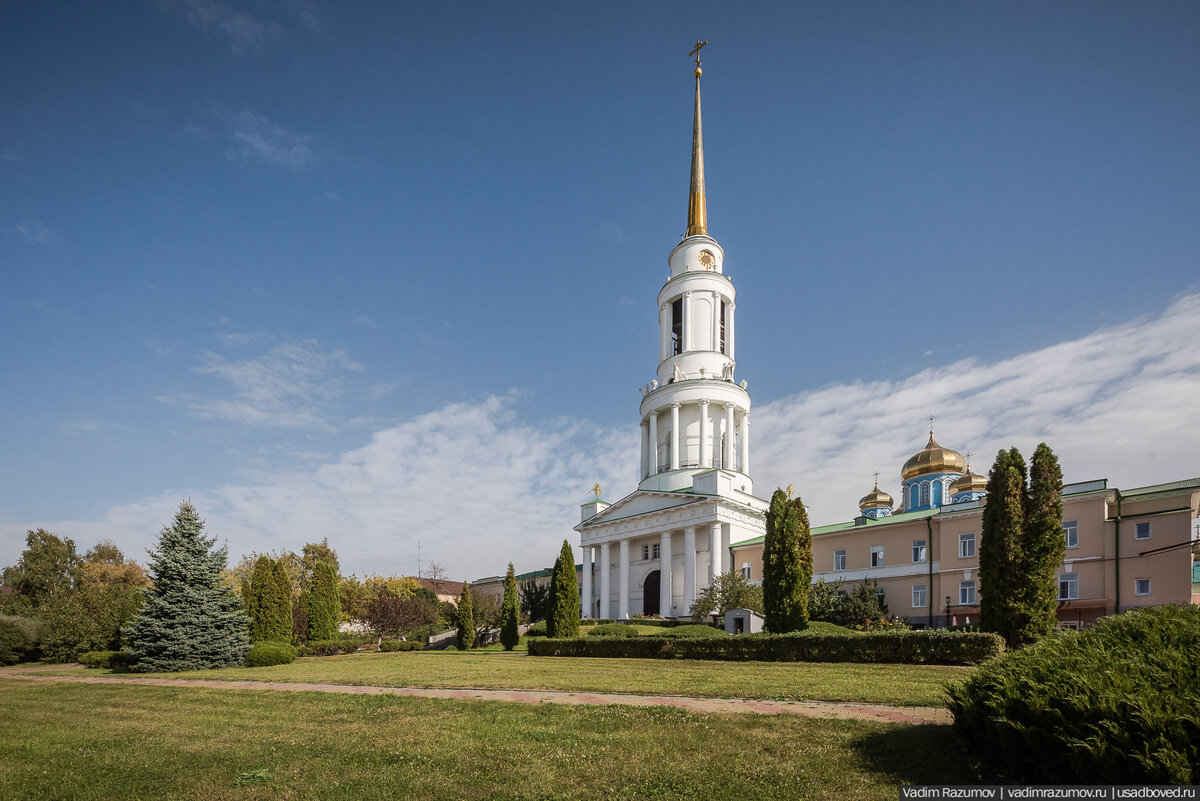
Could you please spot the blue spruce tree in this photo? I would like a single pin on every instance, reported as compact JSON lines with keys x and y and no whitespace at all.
{"x":190,"y":619}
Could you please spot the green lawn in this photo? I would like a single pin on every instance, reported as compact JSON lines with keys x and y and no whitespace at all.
{"x":906,"y":685}
{"x":106,"y":741}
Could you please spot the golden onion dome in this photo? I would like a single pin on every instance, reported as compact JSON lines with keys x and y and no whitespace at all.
{"x":969,"y":482}
{"x":933,"y":458}
{"x":874,"y":499}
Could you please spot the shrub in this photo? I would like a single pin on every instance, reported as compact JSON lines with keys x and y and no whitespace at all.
{"x":537,"y":629}
{"x":693,"y":631}
{"x":105,"y":659}
{"x":265,"y":654}
{"x":19,"y":638}
{"x":613,"y":630}
{"x":1114,"y":704}
{"x":909,"y":647}
{"x":401,"y":645}
{"x":328,"y":647}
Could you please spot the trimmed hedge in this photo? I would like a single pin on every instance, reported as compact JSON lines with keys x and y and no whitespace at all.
{"x":909,"y":647}
{"x":613,"y":630}
{"x":694,"y":631}
{"x":1118,"y":703}
{"x":266,"y":654}
{"x":330,"y":647}
{"x":537,"y":629}
{"x":105,"y":659}
{"x":401,"y":645}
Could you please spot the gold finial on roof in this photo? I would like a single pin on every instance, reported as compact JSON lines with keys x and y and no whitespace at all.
{"x":876,"y":479}
{"x":697,"y":208}
{"x":790,"y":491}
{"x":596,"y":489}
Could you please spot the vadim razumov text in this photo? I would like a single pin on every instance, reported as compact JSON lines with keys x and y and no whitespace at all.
{"x":1018,"y":792}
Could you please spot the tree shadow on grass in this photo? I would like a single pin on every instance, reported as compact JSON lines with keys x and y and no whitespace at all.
{"x":925,"y":754}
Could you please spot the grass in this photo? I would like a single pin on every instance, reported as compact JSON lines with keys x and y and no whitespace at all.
{"x":155,"y":742}
{"x":902,"y":685}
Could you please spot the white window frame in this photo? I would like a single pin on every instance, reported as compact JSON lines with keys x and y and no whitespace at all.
{"x":963,"y":541}
{"x":1138,"y":529}
{"x":966,"y":593}
{"x":745,"y":570}
{"x":920,"y":552}
{"x":1071,"y":533}
{"x":1137,"y":587}
{"x":645,"y":553}
{"x":926,"y":494}
{"x":1071,"y":582}
{"x":655,"y":550}
{"x":839,"y":560}
{"x":920,"y":596}
{"x":877,"y":556}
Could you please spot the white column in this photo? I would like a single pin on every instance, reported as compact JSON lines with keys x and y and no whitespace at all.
{"x":729,"y":327}
{"x":645,"y":427}
{"x":725,"y":531}
{"x":714,"y":551}
{"x":687,"y":321}
{"x":745,"y":437}
{"x":623,"y":582}
{"x":729,"y":438}
{"x":689,"y":569}
{"x":664,"y":331}
{"x":716,"y":322}
{"x":674,"y":436}
{"x":664,"y":575}
{"x":605,"y":581}
{"x":705,"y":452}
{"x":587,"y":582}
{"x":653,"y":426}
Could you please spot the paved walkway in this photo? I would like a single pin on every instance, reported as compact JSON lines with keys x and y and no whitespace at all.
{"x":811,"y":709}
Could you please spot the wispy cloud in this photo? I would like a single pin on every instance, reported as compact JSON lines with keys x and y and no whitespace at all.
{"x":89,"y":426}
{"x":363,"y":321}
{"x":480,"y":487}
{"x":292,"y":385}
{"x":255,"y":138}
{"x":35,"y":233}
{"x":237,"y":27}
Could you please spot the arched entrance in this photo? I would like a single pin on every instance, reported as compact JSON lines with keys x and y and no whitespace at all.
{"x":650,"y":590}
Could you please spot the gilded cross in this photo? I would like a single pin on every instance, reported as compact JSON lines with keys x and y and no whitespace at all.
{"x":696,"y":50}
{"x":931,"y":425}
{"x":877,"y":478}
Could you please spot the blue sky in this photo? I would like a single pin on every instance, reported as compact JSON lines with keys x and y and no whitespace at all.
{"x":385,"y":272}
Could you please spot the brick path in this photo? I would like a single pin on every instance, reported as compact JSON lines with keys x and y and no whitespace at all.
{"x":811,"y":709}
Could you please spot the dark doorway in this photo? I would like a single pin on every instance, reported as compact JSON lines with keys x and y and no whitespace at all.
{"x":650,"y":594}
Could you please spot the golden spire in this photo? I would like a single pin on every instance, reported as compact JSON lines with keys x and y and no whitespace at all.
{"x":697,"y":211}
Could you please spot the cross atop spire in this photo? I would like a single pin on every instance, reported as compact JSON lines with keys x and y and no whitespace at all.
{"x":697,"y":222}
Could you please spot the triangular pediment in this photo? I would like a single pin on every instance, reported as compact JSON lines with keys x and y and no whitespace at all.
{"x":641,"y":502}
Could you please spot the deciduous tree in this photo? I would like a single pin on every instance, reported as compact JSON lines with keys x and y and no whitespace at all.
{"x":534,"y":597}
{"x":47,"y":566}
{"x":728,"y":591}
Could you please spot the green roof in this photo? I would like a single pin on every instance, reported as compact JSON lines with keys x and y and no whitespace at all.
{"x":851,"y":525}
{"x":1187,"y":483}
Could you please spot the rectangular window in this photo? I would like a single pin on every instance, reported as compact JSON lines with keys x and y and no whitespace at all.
{"x":745,"y":570}
{"x":722,"y":348}
{"x":645,"y":552}
{"x":677,"y":326}
{"x":876,"y":556}
{"x":966,"y":593}
{"x":918,"y":551}
{"x":1068,"y":586}
{"x":1071,"y":533}
{"x":654,"y":551}
{"x":1141,"y":586}
{"x":966,"y":546}
{"x":919,"y":596}
{"x":839,"y":560}
{"x":1141,"y":531}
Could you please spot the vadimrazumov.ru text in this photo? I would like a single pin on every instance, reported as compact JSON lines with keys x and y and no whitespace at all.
{"x":1030,"y":792}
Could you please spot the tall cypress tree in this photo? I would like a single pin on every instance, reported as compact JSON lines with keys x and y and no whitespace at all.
{"x":252,"y":596}
{"x":510,"y":613}
{"x":281,"y":591}
{"x":562,"y":617}
{"x":785,"y":589}
{"x":1044,"y":545}
{"x":190,"y":619}
{"x":1002,"y":580}
{"x":269,"y":602}
{"x":324,"y":604}
{"x":465,"y":619}
{"x":804,"y":560}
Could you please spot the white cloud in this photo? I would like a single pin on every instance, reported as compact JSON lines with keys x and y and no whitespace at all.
{"x":240,"y":30}
{"x":35,"y":233}
{"x":292,"y":385}
{"x":480,"y":487}
{"x":255,"y":138}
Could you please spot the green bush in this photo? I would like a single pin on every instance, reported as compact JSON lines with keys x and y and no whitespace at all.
{"x":905,"y":647}
{"x":1118,"y":703}
{"x":105,"y":659}
{"x":329,"y":647}
{"x":613,"y":630}
{"x":537,"y":629}
{"x":265,"y":654}
{"x":401,"y":645}
{"x":20,"y":638}
{"x":693,"y":631}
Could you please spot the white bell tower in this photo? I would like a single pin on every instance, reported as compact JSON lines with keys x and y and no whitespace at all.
{"x":694,"y":416}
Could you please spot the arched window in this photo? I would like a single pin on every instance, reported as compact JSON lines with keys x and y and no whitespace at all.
{"x":924,"y":494}
{"x":912,"y":497}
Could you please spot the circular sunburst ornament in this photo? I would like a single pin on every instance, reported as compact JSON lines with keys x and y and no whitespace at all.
{"x":706,"y":259}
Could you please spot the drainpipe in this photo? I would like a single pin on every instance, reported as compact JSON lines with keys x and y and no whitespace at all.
{"x":1117,"y":556}
{"x":929,"y":559}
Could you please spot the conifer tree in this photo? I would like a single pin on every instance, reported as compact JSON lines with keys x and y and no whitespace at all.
{"x":510,"y":613}
{"x":190,"y":619}
{"x":1044,"y":544}
{"x":466,"y":619}
{"x":785,"y":583}
{"x":1002,"y":580}
{"x":562,"y":616}
{"x":268,"y":602}
{"x":282,"y":592}
{"x":324,"y":604}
